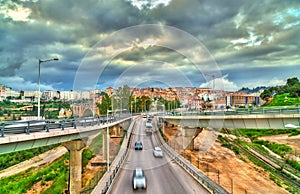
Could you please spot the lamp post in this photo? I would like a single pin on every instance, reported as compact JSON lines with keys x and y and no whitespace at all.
{"x":39,"y":87}
{"x":113,"y":96}
{"x":107,"y":140}
{"x":121,"y":107}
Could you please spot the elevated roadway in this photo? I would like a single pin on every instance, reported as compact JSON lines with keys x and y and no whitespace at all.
{"x":246,"y":121}
{"x":12,"y":142}
{"x":191,"y":125}
{"x":75,"y":138}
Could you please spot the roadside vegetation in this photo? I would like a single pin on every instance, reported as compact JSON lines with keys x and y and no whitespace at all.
{"x":255,"y":133}
{"x":56,"y":175}
{"x":50,"y":179}
{"x":10,"y":159}
{"x":13,"y":111}
{"x":285,"y":173}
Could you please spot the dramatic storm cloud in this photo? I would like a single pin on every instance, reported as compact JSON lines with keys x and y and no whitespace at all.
{"x":238,"y":43}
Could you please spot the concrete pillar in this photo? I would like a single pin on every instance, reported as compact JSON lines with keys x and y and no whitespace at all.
{"x":188,"y":135}
{"x":116,"y":130}
{"x":75,"y":148}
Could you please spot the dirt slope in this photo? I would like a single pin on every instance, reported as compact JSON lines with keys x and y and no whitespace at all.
{"x":224,"y":166}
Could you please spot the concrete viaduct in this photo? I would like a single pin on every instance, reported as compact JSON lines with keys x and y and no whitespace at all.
{"x":84,"y":110}
{"x":191,"y":126}
{"x":75,"y":139}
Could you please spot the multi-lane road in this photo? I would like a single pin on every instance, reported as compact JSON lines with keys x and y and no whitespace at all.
{"x":163,"y":175}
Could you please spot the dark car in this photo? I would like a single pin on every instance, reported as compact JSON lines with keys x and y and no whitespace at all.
{"x":138,"y":145}
{"x":139,"y":179}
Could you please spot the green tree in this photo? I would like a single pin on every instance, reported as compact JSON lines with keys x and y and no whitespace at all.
{"x":105,"y":104}
{"x":292,"y":81}
{"x":123,"y":95}
{"x":266,"y":94}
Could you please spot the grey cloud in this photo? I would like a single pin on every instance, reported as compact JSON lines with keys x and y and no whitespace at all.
{"x":70,"y":28}
{"x":247,"y":56}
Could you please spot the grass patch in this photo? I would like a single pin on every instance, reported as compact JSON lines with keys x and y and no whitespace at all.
{"x":226,"y":143}
{"x":87,"y":155}
{"x":22,"y":182}
{"x":279,"y":149}
{"x":294,"y":133}
{"x":254,"y":133}
{"x":283,"y":100}
{"x":97,"y":144}
{"x":163,"y":135}
{"x":10,"y":159}
{"x":293,"y":163}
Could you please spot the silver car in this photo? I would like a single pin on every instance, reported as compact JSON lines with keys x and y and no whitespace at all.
{"x":157,"y":152}
{"x":139,"y":179}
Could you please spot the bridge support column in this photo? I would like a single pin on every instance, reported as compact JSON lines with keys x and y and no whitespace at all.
{"x":106,"y":145}
{"x":116,"y":130}
{"x":189,"y":134}
{"x":75,"y":148}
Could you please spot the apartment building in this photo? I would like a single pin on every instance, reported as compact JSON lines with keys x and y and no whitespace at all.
{"x":242,"y":99}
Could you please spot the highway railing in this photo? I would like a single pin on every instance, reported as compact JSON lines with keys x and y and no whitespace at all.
{"x":238,"y":111}
{"x":205,"y":181}
{"x":106,"y":182}
{"x":27,"y":127}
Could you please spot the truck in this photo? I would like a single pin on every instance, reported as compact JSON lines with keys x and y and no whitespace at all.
{"x":148,"y":127}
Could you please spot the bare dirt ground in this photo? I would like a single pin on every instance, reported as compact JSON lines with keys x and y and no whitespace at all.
{"x":225,"y":167}
{"x":90,"y":171}
{"x":39,"y":187}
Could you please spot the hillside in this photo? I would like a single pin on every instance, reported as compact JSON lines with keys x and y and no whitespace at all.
{"x":283,"y":100}
{"x":288,"y":94}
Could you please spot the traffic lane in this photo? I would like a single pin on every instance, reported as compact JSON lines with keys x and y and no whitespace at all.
{"x":178,"y":180}
{"x":163,"y":176}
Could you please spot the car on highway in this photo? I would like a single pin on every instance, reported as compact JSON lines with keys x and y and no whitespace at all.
{"x":157,"y":152}
{"x":138,"y":145}
{"x":139,"y":179}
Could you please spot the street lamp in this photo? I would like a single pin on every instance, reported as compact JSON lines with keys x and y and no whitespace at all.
{"x":39,"y":87}
{"x":107,"y":140}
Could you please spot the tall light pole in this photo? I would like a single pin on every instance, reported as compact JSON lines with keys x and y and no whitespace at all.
{"x":107,"y":140}
{"x":39,"y":87}
{"x":213,"y":87}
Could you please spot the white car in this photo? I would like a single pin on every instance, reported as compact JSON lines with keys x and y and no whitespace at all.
{"x":139,"y":179}
{"x":157,"y":152}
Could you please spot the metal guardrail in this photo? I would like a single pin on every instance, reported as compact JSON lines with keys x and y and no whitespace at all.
{"x":114,"y":174}
{"x":115,"y":169}
{"x":239,"y":111}
{"x":205,"y":181}
{"x":27,"y":127}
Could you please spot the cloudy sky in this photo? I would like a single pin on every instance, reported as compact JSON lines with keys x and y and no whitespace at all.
{"x":168,"y":43}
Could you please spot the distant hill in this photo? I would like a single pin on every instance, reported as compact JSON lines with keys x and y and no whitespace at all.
{"x":291,"y":87}
{"x":253,"y":90}
{"x":289,"y":94}
{"x":283,"y":100}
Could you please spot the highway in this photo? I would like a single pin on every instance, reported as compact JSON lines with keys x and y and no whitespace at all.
{"x":163,"y":175}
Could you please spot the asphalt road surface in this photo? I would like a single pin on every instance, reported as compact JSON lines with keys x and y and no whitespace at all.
{"x":163,"y":175}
